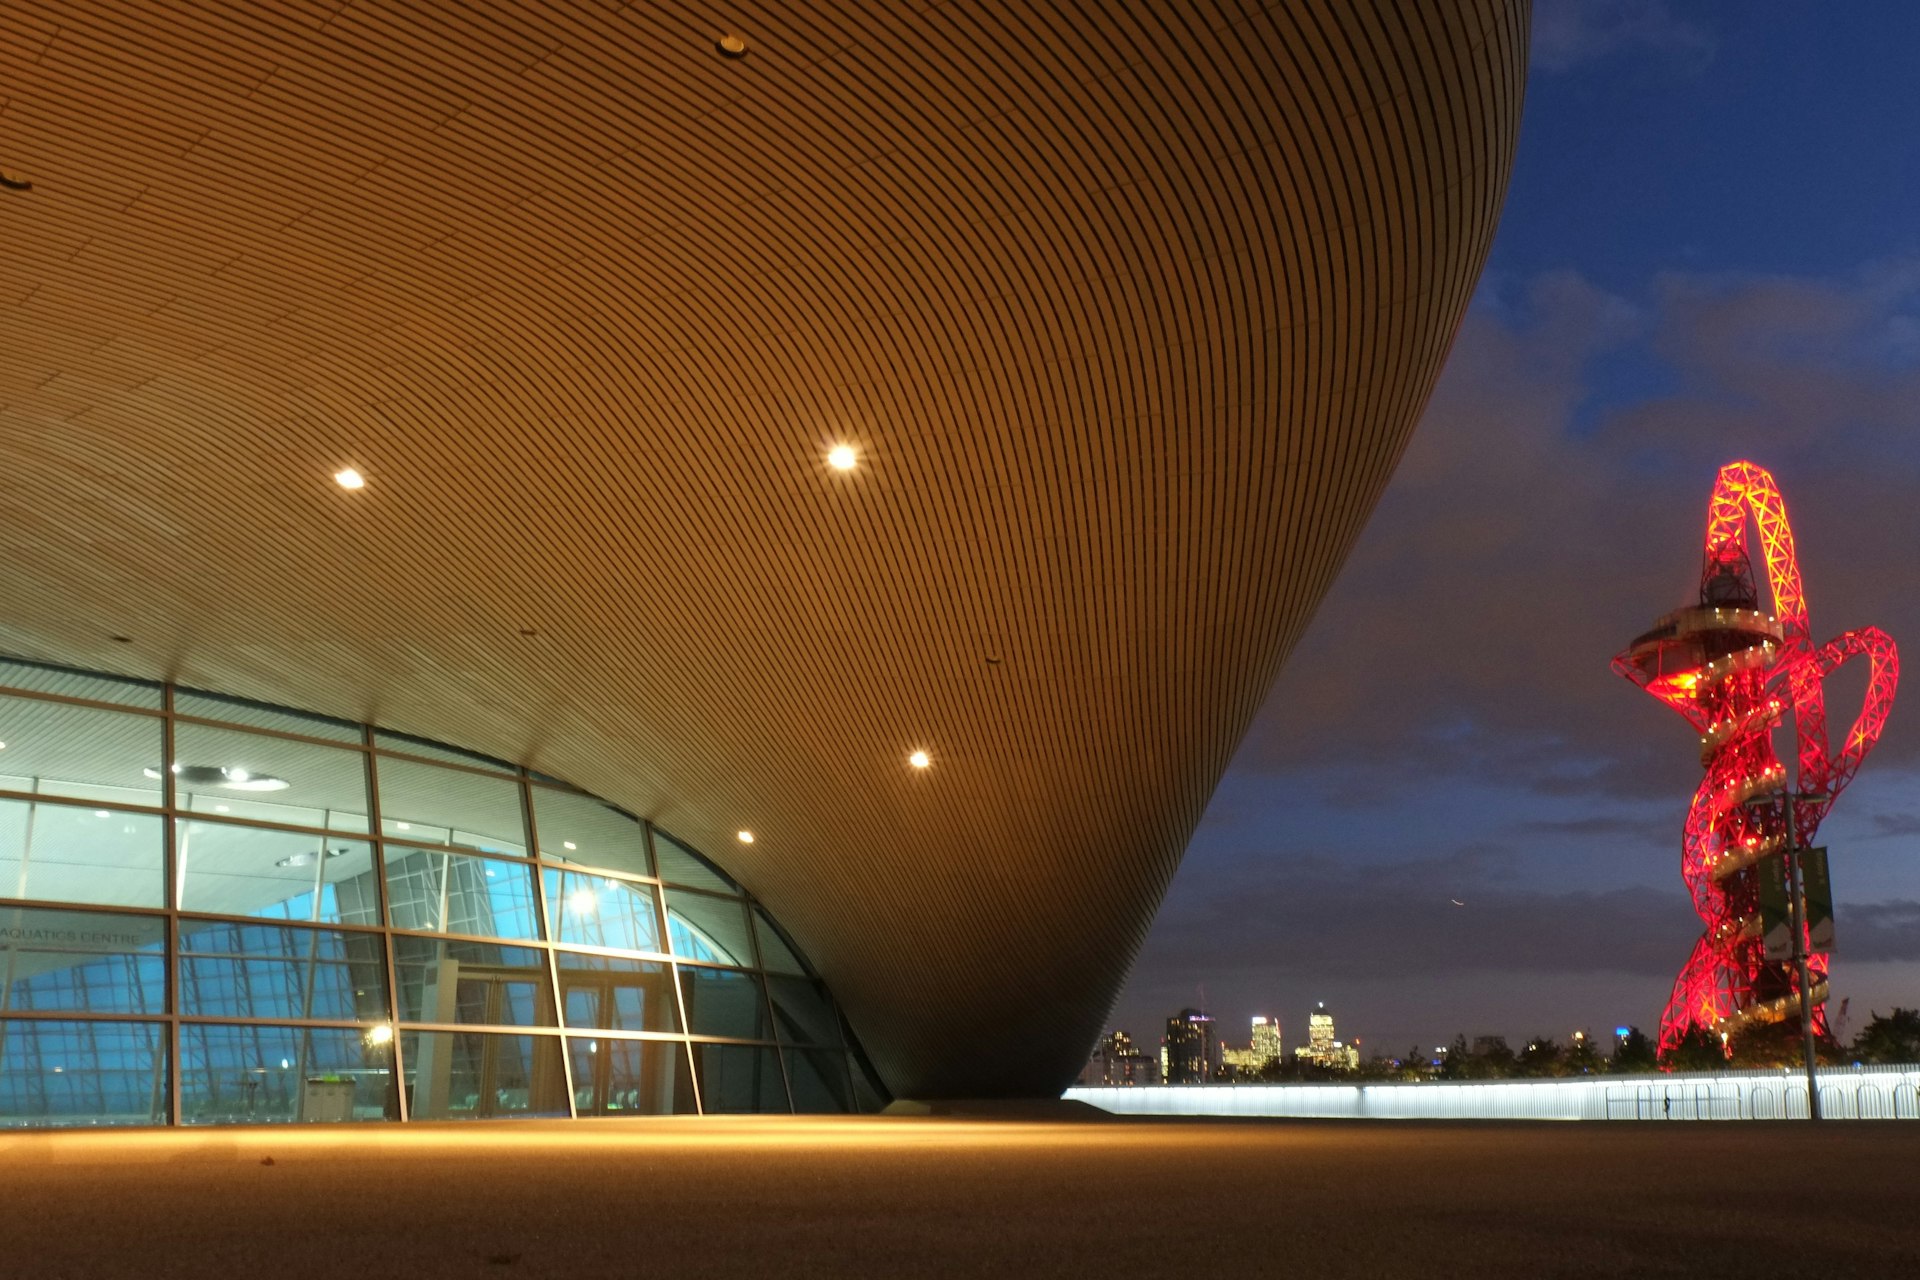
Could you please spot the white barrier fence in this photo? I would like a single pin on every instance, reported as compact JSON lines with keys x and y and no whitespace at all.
{"x":1846,"y":1093}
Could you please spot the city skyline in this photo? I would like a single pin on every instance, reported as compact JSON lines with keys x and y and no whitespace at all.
{"x":1451,"y":816}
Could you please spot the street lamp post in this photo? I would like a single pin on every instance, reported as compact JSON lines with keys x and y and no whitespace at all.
{"x":1797,"y":905}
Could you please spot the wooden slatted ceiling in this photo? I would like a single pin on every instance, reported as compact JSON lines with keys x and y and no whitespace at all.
{"x":1129,"y":308}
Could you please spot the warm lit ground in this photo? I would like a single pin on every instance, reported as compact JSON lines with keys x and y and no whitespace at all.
{"x":766,"y":1198}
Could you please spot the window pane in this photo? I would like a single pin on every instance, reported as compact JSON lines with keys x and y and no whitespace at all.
{"x":611,"y":993}
{"x":259,"y":1075}
{"x":709,"y":929}
{"x":598,"y":911}
{"x":630,"y":1077}
{"x":82,"y":1073}
{"x":473,"y":1075}
{"x":83,"y":961}
{"x":819,"y":1080}
{"x":448,"y":980}
{"x":454,"y":893}
{"x":803,"y":1012}
{"x":230,"y":970}
{"x":259,"y":715}
{"x":735,"y":1078}
{"x":430,"y":805}
{"x":869,"y":1095}
{"x":775,"y":955}
{"x":724,"y":1002}
{"x":57,"y":750}
{"x":250,"y":871}
{"x":680,"y":865}
{"x":388,"y":740}
{"x":250,"y":775}
{"x":577,"y":828}
{"x":66,"y":853}
{"x":17,"y":673}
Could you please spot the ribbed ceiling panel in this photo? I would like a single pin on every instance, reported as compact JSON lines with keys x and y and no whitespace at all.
{"x":1129,"y":308}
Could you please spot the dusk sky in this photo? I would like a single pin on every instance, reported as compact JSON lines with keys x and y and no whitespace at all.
{"x":1709,"y":251}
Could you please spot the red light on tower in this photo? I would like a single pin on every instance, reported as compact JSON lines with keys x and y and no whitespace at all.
{"x":1733,"y":671}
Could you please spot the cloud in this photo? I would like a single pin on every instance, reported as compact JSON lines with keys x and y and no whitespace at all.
{"x":1377,"y":920}
{"x":1527,"y":536}
{"x":1877,"y":931}
{"x":1896,"y":824}
{"x":1568,"y":33}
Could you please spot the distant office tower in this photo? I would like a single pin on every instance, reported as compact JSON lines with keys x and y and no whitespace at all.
{"x":1320,"y":1040}
{"x":1266,"y":1041}
{"x":1321,"y":1048}
{"x":1116,"y":1061}
{"x":1187,"y":1054}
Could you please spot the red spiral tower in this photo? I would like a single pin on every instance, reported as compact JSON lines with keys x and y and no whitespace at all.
{"x":1735,"y":671}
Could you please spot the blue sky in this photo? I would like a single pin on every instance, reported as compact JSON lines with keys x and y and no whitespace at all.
{"x":1710,"y":250}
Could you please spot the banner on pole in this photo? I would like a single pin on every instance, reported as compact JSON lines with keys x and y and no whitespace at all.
{"x":1817,"y":885}
{"x":1776,"y":909}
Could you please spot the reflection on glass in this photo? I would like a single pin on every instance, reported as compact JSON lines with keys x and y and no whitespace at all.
{"x":614,"y":993}
{"x":737,"y":1078}
{"x":84,"y":752}
{"x":282,"y":875}
{"x":724,"y":1002}
{"x":256,"y":715}
{"x":82,"y":1073}
{"x":869,"y":1095}
{"x":775,"y":955}
{"x":707,"y":928}
{"x":452,"y":980}
{"x":599,"y":911}
{"x":681,"y":865}
{"x":819,"y":1080}
{"x":430,"y":805}
{"x":579,"y":828}
{"x":265,"y":1074}
{"x":477,"y":1075}
{"x":18,"y":673}
{"x":802,"y":1012}
{"x":407,"y":744}
{"x":68,"y":853}
{"x":87,"y":962}
{"x":238,"y":774}
{"x":629,"y":1077}
{"x":232,"y":970}
{"x":456,"y":893}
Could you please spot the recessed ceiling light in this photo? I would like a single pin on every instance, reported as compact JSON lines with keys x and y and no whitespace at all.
{"x":731,"y":46}
{"x":568,"y":844}
{"x":3,"y":746}
{"x":101,"y":813}
{"x":842,"y":457}
{"x":18,"y":182}
{"x":746,"y":837}
{"x":349,"y":479}
{"x":919,"y":759}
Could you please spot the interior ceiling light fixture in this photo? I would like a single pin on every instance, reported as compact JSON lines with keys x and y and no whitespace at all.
{"x":306,"y":859}
{"x":231,"y":777}
{"x":842,"y":457}
{"x":746,"y":837}
{"x":920,"y":760}
{"x":731,"y":46}
{"x":349,"y":479}
{"x":15,"y":182}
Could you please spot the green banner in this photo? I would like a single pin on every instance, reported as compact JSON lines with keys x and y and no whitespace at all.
{"x":1776,"y":911}
{"x":1818,"y":887}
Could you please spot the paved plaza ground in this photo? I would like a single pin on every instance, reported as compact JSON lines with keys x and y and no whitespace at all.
{"x":884,"y":1196}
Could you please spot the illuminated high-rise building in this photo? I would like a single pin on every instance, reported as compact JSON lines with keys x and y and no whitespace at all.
{"x":1187,"y":1054}
{"x":1266,"y":1044}
{"x":1320,"y":1039}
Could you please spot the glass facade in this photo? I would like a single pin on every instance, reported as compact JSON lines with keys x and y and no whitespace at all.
{"x":218,"y":912}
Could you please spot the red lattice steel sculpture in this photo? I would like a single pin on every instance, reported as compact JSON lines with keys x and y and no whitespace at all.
{"x":1734,"y":672}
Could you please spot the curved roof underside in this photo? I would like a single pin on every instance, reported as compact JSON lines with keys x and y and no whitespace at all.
{"x":1130,"y":310}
